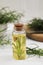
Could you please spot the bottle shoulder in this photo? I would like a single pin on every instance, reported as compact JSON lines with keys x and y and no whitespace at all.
{"x":19,"y":32}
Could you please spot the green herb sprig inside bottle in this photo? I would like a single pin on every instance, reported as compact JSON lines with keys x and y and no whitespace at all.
{"x":19,"y":42}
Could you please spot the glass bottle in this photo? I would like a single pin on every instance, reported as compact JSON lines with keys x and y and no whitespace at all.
{"x":19,"y":42}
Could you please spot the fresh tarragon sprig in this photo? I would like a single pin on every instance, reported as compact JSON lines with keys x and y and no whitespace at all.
{"x":35,"y":51}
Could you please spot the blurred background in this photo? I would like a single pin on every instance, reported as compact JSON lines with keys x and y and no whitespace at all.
{"x":31,"y":8}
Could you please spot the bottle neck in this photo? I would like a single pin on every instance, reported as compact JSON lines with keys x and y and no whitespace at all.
{"x":18,"y":27}
{"x":20,"y":31}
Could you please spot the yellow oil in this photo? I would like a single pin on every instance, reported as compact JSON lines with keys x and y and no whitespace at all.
{"x":19,"y":46}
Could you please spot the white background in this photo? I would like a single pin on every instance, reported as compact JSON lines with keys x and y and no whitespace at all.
{"x":31,"y":8}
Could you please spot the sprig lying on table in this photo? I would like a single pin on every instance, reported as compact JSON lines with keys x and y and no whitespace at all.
{"x":4,"y":40}
{"x":35,"y":51}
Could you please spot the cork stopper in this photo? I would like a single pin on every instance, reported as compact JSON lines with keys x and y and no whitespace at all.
{"x":18,"y":26}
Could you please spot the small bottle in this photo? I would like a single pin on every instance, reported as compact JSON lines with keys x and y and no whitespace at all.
{"x":19,"y":42}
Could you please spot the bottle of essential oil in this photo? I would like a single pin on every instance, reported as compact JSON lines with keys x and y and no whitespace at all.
{"x":19,"y":42}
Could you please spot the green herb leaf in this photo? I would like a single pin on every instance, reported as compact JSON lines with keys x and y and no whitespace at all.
{"x":30,"y":51}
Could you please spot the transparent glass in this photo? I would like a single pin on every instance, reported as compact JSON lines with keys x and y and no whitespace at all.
{"x":19,"y":44}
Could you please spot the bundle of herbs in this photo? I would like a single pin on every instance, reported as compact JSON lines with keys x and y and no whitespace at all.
{"x":34,"y":51}
{"x":36,"y":24}
{"x":9,"y":15}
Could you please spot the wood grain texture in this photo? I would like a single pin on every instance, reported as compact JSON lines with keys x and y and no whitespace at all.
{"x":35,"y":36}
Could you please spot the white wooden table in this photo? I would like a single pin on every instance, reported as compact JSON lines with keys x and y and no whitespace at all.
{"x":7,"y":59}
